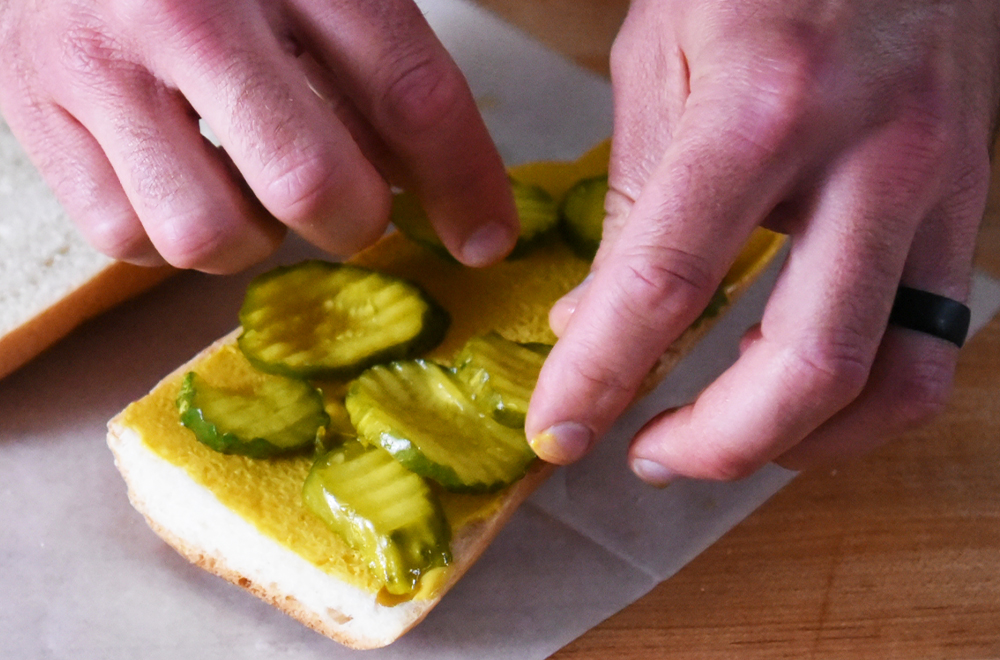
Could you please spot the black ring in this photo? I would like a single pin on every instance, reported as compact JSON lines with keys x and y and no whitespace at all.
{"x":931,"y":314}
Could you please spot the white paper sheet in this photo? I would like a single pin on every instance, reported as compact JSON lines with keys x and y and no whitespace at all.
{"x":82,"y":577}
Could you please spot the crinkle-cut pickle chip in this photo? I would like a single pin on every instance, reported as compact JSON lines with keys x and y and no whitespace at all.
{"x":582,"y":215}
{"x":386,"y":513}
{"x":420,"y":413}
{"x":264,"y":415}
{"x":537,"y":211}
{"x":500,"y":375}
{"x":319,"y":319}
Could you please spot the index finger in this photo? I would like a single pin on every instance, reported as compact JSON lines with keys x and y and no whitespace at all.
{"x":391,"y":65}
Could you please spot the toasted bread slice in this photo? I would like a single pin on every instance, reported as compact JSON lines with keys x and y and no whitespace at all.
{"x":190,"y":502}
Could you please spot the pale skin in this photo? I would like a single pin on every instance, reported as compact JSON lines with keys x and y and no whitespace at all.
{"x":105,"y":96}
{"x":861,"y":128}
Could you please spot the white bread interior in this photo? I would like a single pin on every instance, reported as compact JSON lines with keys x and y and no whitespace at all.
{"x":191,"y":520}
{"x":51,"y":280}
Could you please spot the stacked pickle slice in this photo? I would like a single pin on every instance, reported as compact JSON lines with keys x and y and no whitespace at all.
{"x":320,"y":331}
{"x":413,"y":420}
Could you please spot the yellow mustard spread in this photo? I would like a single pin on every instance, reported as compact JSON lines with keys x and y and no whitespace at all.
{"x":268,"y":493}
{"x":512,"y":298}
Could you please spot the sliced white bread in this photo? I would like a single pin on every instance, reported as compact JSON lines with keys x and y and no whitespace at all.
{"x":51,"y":280}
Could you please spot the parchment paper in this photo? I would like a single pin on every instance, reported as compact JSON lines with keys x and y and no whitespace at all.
{"x":82,"y":577}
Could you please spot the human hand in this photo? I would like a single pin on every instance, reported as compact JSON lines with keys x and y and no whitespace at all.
{"x":105,"y":97}
{"x":862,"y":129}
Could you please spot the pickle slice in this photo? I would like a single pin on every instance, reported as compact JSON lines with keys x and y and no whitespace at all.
{"x":339,"y":428}
{"x":715,"y":305}
{"x":537,"y":211}
{"x":420,"y":413}
{"x":411,"y":220}
{"x":386,"y":513}
{"x":319,"y":319}
{"x":582,"y":215}
{"x":271,"y":415}
{"x":500,"y":375}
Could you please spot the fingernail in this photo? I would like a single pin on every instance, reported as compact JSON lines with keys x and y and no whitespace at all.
{"x":488,"y":244}
{"x":652,"y":472}
{"x":564,"y":308}
{"x":562,"y":443}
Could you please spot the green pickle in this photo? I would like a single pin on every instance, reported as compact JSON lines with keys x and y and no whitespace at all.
{"x":403,"y":422}
{"x":582,"y":215}
{"x":538,"y":214}
{"x":423,"y":415}
{"x":386,"y":513}
{"x":715,"y":305}
{"x":380,"y":437}
{"x":339,"y":428}
{"x":270,"y":415}
{"x":500,"y":375}
{"x":411,"y":220}
{"x":536,"y":210}
{"x":319,"y":319}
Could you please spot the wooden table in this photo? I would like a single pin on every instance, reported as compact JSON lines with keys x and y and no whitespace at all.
{"x":896,"y":555}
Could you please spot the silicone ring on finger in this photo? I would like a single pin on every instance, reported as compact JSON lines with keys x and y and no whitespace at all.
{"x":931,"y":314}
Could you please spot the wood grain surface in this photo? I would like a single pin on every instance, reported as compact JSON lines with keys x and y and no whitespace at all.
{"x":896,"y":555}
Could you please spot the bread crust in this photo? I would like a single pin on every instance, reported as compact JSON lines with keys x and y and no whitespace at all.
{"x":469,"y":542}
{"x":110,"y":286}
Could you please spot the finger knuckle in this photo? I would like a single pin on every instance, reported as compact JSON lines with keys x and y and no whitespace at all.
{"x":729,"y":465}
{"x":768,"y":123}
{"x":327,"y":199}
{"x":421,"y":91}
{"x":299,"y":191}
{"x":607,"y":381}
{"x":832,"y":369}
{"x":781,"y":101}
{"x":153,"y":176}
{"x":117,"y":238}
{"x":663,"y":280}
{"x":263,"y":108}
{"x":88,"y":51}
{"x":921,"y":391}
{"x":191,"y":240}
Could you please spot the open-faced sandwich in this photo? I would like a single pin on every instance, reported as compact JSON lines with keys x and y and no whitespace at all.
{"x":350,"y":450}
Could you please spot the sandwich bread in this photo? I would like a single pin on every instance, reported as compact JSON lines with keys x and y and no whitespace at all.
{"x":243,"y":519}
